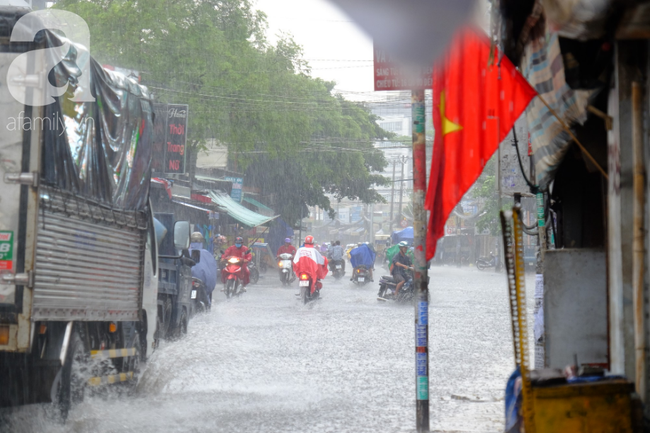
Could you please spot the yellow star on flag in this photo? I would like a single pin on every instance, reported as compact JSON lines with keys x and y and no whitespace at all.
{"x":447,"y":125}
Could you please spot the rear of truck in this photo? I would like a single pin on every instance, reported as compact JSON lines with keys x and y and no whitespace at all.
{"x":78,"y":255}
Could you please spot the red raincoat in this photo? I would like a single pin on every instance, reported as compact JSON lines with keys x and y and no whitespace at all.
{"x":287,"y":249}
{"x":309,"y":261}
{"x":243,"y":253}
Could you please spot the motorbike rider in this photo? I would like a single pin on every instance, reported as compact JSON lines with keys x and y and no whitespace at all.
{"x":238,"y":250}
{"x":308,"y":260}
{"x":287,"y":248}
{"x":363,"y":255}
{"x":206,"y":270}
{"x":336,"y":255}
{"x":400,"y":264}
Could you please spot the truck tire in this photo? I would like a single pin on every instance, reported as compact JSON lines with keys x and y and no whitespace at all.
{"x":167,"y":318}
{"x":69,"y":385}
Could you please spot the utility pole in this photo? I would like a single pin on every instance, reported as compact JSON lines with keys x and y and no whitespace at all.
{"x":392,"y":200}
{"x":420,"y":278}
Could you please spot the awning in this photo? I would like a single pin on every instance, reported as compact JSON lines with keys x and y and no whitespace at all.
{"x":239,"y":212}
{"x":261,"y":207}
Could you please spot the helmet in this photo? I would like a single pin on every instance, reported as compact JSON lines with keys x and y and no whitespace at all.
{"x":239,"y":240}
{"x":403,"y":244}
{"x":288,"y":240}
{"x":309,"y":240}
{"x":196,"y":237}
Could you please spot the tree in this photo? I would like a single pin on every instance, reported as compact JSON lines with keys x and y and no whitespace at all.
{"x":283,"y":128}
{"x":485,"y":191}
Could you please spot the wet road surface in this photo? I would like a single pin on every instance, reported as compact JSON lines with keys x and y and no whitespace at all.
{"x":266,"y":363}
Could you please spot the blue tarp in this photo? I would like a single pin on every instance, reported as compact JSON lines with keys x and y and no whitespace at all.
{"x":362,"y":255}
{"x":403,"y":235}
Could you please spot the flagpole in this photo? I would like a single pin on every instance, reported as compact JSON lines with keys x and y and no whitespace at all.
{"x":568,"y":130}
{"x":420,"y":278}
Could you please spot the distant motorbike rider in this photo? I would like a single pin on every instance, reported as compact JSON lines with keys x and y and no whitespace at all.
{"x":400,"y":264}
{"x":287,"y":248}
{"x":308,"y":260}
{"x":363,"y":255}
{"x":336,"y":254}
{"x":238,"y":250}
{"x":206,"y":270}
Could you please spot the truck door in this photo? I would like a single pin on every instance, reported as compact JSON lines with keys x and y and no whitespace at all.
{"x":21,"y":128}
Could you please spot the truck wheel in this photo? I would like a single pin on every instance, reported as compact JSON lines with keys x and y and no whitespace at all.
{"x":184,"y":323}
{"x":167,"y":318}
{"x":69,"y":385}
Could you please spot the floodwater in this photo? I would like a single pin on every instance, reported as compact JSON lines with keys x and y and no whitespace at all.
{"x":266,"y":363}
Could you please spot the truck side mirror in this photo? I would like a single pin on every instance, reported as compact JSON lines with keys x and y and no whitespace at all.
{"x":196,"y":256}
{"x":181,"y":235}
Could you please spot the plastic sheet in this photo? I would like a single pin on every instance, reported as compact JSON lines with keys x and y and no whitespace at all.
{"x":98,"y":150}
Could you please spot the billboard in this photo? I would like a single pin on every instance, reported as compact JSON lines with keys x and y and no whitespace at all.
{"x":170,"y":138}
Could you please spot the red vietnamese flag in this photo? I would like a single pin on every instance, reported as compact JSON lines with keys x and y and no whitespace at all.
{"x":475,"y":104}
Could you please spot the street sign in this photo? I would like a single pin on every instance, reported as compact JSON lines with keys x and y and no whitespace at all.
{"x":390,"y":75}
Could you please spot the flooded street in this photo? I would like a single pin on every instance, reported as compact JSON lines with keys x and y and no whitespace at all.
{"x":265,"y":363}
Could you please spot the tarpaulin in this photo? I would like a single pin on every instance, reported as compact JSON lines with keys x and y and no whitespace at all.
{"x":543,"y":67}
{"x":403,"y":235}
{"x":362,"y":255}
{"x":97,"y":150}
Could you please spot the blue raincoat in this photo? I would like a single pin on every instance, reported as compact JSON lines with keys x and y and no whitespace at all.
{"x":362,"y":255}
{"x":206,"y":269}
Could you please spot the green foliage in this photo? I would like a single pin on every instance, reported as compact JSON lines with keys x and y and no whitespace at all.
{"x":485,"y":191}
{"x":284,"y":129}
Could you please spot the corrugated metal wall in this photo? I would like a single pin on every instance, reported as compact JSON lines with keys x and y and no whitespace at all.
{"x":86,"y":270}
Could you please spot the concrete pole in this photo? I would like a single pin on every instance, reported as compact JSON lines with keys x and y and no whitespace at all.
{"x":392,"y":201}
{"x":638,"y":250}
{"x":420,"y":278}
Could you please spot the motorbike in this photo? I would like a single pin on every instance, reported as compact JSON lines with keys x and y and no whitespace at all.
{"x":285,"y":264}
{"x":306,"y":284}
{"x":387,"y":286}
{"x":234,"y":284}
{"x":488,"y":262}
{"x":361,"y":275}
{"x":199,"y":297}
{"x":336,"y":267}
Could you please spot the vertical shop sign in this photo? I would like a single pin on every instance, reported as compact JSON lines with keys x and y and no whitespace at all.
{"x":176,"y":138}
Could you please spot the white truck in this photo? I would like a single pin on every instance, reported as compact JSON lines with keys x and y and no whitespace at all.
{"x":78,"y":252}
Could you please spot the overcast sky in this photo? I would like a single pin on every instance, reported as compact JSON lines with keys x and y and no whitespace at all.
{"x":335,"y":47}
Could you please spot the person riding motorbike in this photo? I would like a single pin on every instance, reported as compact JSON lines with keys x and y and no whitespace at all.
{"x":336,"y":255}
{"x":287,"y":248}
{"x":238,"y":250}
{"x":206,"y":270}
{"x":363,"y":255}
{"x":308,"y":260}
{"x":400,"y":264}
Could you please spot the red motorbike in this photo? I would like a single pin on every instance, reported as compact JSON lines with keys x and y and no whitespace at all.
{"x":233,"y":275}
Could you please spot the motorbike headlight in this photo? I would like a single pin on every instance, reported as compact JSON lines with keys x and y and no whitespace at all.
{"x":280,"y":264}
{"x":233,"y":260}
